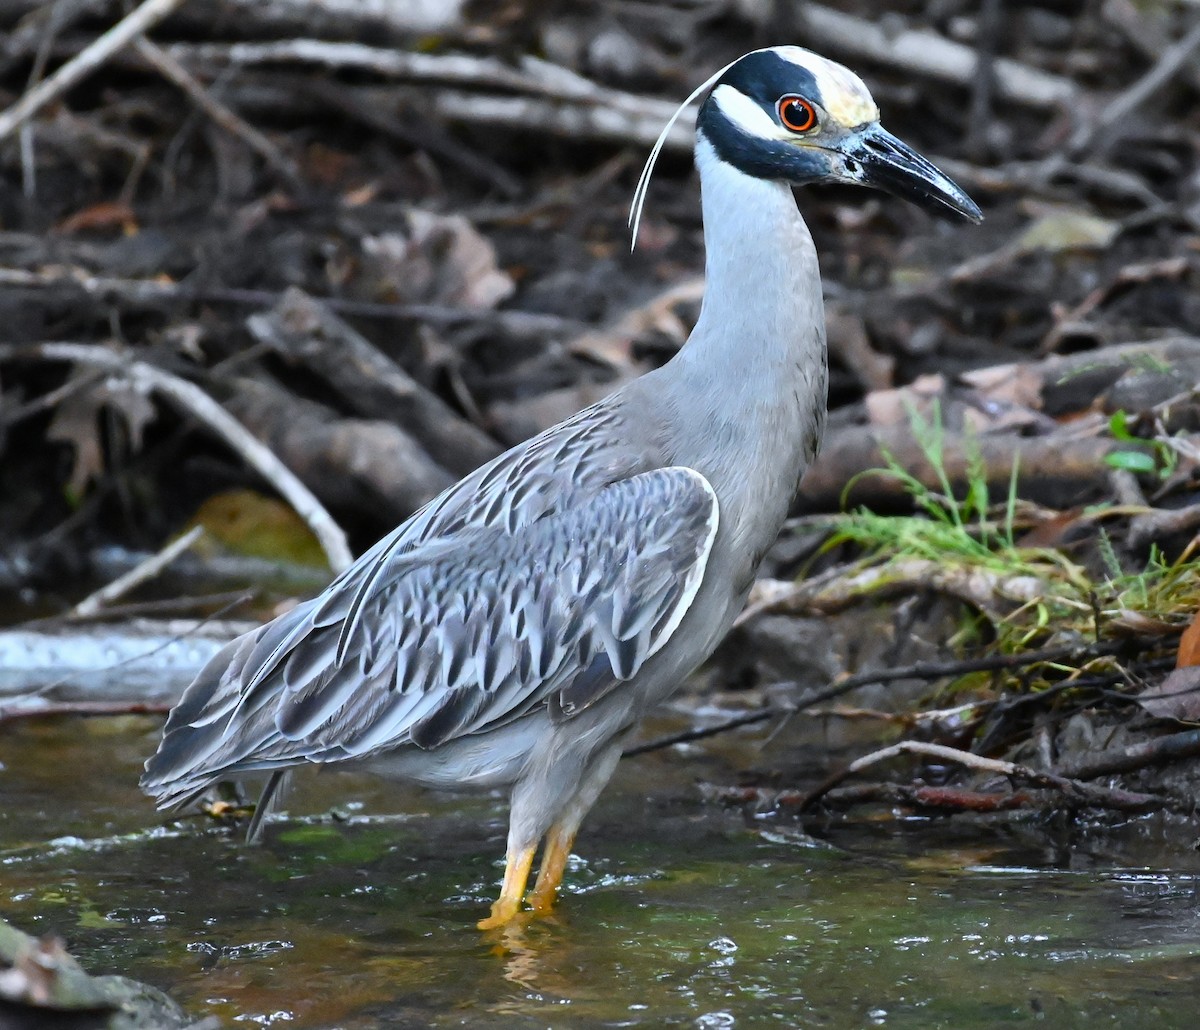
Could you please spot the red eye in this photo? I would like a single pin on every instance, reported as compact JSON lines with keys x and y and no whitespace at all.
{"x":796,"y":113}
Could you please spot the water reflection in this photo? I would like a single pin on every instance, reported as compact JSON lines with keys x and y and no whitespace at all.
{"x":673,"y":914}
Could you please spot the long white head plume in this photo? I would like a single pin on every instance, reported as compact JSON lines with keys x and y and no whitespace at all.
{"x":639,"y":194}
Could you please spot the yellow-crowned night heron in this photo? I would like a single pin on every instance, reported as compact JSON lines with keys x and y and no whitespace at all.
{"x":514,"y":631}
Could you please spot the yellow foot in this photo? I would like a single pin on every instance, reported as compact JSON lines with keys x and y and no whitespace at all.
{"x":554,"y":864}
{"x":541,"y":902}
{"x":504,"y":912}
{"x":516,"y":874}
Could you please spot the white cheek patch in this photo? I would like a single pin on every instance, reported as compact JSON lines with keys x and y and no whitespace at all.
{"x":746,"y":114}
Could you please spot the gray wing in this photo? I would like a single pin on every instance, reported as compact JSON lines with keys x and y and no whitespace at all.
{"x":457,"y":636}
{"x":551,"y":472}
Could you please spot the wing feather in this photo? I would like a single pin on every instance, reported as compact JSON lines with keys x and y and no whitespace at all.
{"x":455,"y":639}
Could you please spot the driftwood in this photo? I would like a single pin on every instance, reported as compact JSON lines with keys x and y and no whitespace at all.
{"x":142,"y":660}
{"x":369,"y":383}
{"x":351,"y":462}
{"x":1054,"y":472}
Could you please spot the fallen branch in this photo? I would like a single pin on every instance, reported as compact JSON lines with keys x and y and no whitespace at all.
{"x":90,"y":709}
{"x":238,"y":127}
{"x":136,"y":576}
{"x":1073,"y":790}
{"x":301,"y":329}
{"x":536,"y":94}
{"x":366,"y":18}
{"x":1156,"y":525}
{"x":984,"y":589}
{"x":765,"y":799}
{"x":1171,"y":748}
{"x":918,"y":670}
{"x":152,"y":292}
{"x":195,"y":402}
{"x":1055,"y":471}
{"x":351,"y":462}
{"x":138,"y":21}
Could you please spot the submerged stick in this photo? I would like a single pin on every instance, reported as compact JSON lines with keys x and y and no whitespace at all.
{"x":138,"y":575}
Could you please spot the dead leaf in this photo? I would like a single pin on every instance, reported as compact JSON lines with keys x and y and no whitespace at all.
{"x":1176,"y":697}
{"x":1189,"y":644}
{"x":613,"y":345}
{"x":109,"y":214}
{"x":76,"y":423}
{"x":1067,"y":229}
{"x":1016,"y":383}
{"x":442,"y":260}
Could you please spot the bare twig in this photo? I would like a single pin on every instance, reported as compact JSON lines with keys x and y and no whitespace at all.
{"x":1097,"y":136}
{"x":1146,"y":35}
{"x":138,"y":21}
{"x":171,"y":69}
{"x":194,"y":401}
{"x":1073,"y":790}
{"x":150,"y":292}
{"x":138,"y":575}
{"x":686,"y":736}
{"x":918,"y":670}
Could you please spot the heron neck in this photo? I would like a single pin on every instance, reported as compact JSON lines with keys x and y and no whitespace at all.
{"x":762,"y":311}
{"x":745,"y":396}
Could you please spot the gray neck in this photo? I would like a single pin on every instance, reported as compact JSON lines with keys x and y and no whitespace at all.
{"x":763,"y":286}
{"x":755,"y":362}
{"x":743,"y":402}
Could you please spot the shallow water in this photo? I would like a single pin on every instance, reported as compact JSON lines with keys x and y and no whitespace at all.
{"x":676,"y":914}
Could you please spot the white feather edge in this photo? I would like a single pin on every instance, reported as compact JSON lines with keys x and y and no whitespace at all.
{"x":696,"y":576}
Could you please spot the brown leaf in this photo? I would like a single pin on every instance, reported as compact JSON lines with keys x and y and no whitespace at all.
{"x":109,"y":214}
{"x":1189,"y":644}
{"x":1176,"y":697}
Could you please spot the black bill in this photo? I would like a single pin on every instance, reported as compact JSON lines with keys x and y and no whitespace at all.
{"x":874,"y":157}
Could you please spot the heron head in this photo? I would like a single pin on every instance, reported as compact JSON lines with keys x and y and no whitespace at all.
{"x":788,"y":114}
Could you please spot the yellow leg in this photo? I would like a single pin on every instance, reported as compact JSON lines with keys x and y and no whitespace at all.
{"x":516,"y":875}
{"x":554,"y":862}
